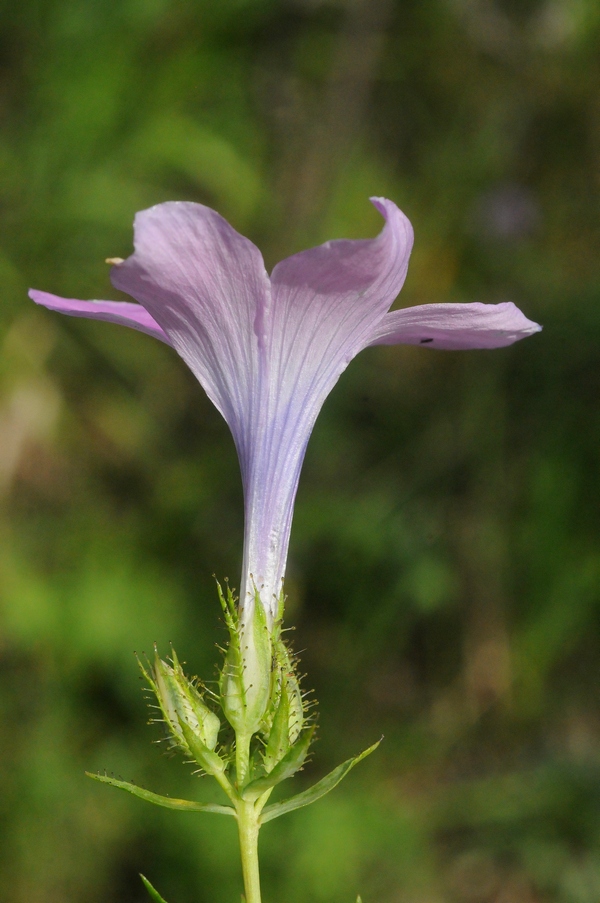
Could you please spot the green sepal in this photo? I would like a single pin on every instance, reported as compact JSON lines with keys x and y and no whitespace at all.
{"x":154,"y":894}
{"x":291,"y":688}
{"x":279,"y":736}
{"x":317,"y":790}
{"x":289,"y":765}
{"x":296,"y":718}
{"x":180,"y":701}
{"x":206,"y":758}
{"x":245,"y":682}
{"x":166,"y":801}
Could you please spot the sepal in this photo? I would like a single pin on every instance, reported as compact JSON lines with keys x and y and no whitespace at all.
{"x":167,"y":802}
{"x":181,"y":704}
{"x":318,"y":790}
{"x":279,"y":736}
{"x":290,"y":687}
{"x":286,"y":709}
{"x":292,"y":762}
{"x":245,"y":681}
{"x":207,"y":759}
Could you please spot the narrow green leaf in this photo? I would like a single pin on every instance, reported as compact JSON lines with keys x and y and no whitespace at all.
{"x":166,"y":801}
{"x":359,"y":900}
{"x":317,"y":790}
{"x":153,"y":893}
{"x":288,"y":766}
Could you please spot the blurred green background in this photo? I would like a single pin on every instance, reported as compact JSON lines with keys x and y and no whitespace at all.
{"x":444,"y":575}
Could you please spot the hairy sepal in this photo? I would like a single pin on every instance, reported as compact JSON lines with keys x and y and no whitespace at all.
{"x":292,"y":761}
{"x":290,"y":687}
{"x":181,"y":704}
{"x":210,"y":761}
{"x":279,"y":736}
{"x":245,"y":682}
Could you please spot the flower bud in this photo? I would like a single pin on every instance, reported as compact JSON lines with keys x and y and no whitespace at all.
{"x":182,"y":705}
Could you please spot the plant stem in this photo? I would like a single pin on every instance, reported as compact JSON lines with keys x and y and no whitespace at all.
{"x":249,"y":826}
{"x":248,"y":815}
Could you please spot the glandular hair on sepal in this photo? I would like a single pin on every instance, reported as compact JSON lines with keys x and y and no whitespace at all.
{"x":245,"y":679}
{"x":182,"y":705}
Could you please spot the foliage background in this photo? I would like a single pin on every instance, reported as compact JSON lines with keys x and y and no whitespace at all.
{"x":445,"y":567}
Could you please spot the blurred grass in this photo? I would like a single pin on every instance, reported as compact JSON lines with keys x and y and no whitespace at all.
{"x":444,"y":573}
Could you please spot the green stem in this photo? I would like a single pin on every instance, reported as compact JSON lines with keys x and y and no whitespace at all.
{"x":249,"y":826}
{"x":248,"y":816}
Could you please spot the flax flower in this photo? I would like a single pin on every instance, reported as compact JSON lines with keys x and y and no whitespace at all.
{"x":268,"y":350}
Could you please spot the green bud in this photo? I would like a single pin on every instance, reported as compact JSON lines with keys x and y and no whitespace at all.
{"x":245,"y":681}
{"x":182,"y":706}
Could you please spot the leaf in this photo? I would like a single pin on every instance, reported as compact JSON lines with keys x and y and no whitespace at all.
{"x":288,"y":766}
{"x":153,"y":893}
{"x":166,"y":801}
{"x":317,"y":790}
{"x":359,"y":900}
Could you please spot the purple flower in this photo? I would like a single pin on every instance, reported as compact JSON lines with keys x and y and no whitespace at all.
{"x":269,"y":350}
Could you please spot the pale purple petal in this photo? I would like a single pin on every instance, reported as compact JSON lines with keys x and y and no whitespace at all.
{"x":454,"y":326}
{"x":208,"y":288}
{"x":206,"y":285}
{"x":326,"y":302}
{"x":121,"y":312}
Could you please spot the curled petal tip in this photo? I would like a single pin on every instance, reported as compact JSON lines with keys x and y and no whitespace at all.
{"x":386,"y":207}
{"x":395,"y":218}
{"x":380,"y":204}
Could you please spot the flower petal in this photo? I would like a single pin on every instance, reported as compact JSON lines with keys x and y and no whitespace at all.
{"x":122,"y":312}
{"x":206,"y":285}
{"x":326,"y":302}
{"x":454,"y":326}
{"x":343,"y":284}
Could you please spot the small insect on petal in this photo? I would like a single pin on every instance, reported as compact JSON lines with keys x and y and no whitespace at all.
{"x":114,"y":261}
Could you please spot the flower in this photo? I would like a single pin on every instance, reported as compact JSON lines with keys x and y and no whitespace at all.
{"x":268,"y":350}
